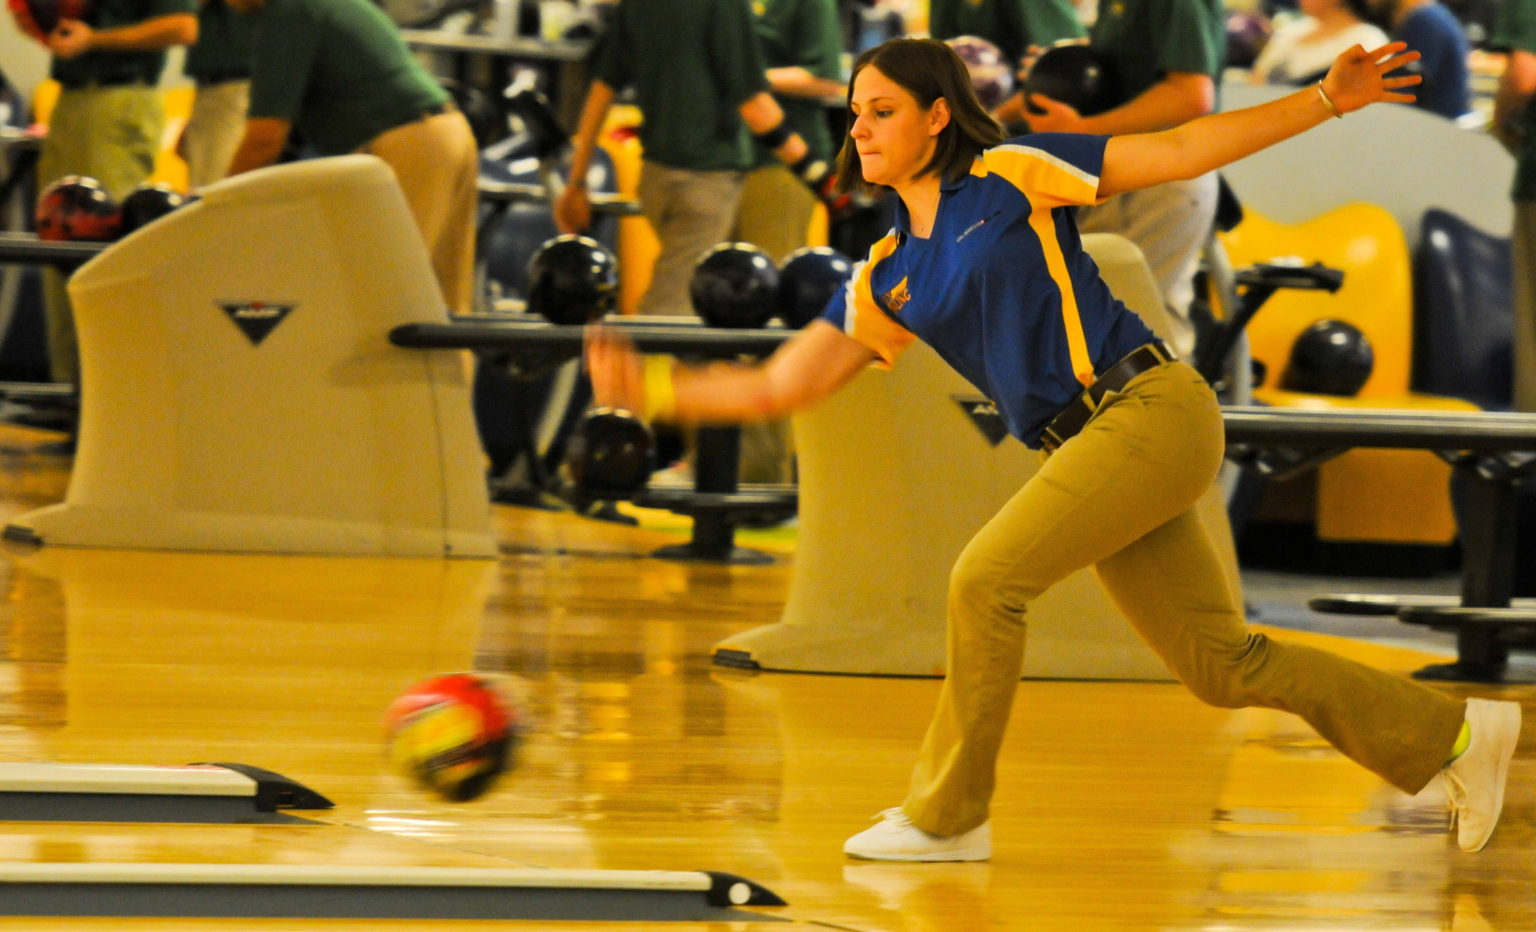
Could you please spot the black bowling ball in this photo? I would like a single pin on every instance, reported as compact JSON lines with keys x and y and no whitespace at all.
{"x":735,"y":285}
{"x":572,"y":280}
{"x":77,"y":207}
{"x":1074,"y":74}
{"x":612,"y":453}
{"x":1330,"y":357}
{"x":808,"y":280}
{"x":148,"y":203}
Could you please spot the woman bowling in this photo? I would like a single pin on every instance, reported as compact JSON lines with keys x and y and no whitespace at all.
{"x":985,"y":264}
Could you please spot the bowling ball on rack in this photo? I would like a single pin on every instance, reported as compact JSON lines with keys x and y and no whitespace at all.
{"x":612,"y":453}
{"x":454,"y":735}
{"x":735,"y":285}
{"x":148,"y":203}
{"x":808,"y":280}
{"x":76,"y":207}
{"x":572,"y":280}
{"x":1074,"y":74}
{"x":991,"y":74}
{"x":1330,"y":357}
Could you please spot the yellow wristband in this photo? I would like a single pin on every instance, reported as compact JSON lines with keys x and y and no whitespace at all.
{"x":1328,"y":102}
{"x":660,"y":397}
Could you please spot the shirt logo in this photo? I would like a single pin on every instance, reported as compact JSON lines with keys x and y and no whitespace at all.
{"x":976,"y":226}
{"x":256,"y":319}
{"x":897,"y":297}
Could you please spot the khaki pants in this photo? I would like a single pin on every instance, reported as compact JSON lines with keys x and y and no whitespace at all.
{"x":691,"y":211}
{"x":214,"y":131}
{"x":1120,"y":497}
{"x":1171,"y":222}
{"x":438,"y":167}
{"x":110,"y":134}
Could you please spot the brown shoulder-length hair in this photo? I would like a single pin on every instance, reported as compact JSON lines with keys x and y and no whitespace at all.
{"x":928,"y":69}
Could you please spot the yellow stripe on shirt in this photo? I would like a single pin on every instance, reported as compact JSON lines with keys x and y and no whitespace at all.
{"x":864,"y":319}
{"x":1044,"y":226}
{"x":1045,"y":179}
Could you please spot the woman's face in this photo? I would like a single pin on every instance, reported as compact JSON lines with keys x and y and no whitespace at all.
{"x":894,"y":135}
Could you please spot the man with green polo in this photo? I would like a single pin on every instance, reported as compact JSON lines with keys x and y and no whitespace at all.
{"x":339,"y":72}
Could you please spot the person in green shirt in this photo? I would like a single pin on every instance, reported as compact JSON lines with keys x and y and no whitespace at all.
{"x":339,"y":72}
{"x":107,"y":121}
{"x":1514,"y":123}
{"x":219,"y":63}
{"x":1012,"y":25}
{"x":1167,"y":57}
{"x":701,"y":82}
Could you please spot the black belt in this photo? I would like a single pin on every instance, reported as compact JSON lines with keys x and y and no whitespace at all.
{"x":1075,"y":416}
{"x":103,"y":82}
{"x":221,"y":77}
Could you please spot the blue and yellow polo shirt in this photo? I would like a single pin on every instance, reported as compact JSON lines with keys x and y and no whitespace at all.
{"x":1001,"y":289}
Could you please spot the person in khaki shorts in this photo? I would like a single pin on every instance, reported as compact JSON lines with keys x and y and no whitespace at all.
{"x":339,"y":71}
{"x":219,"y":64}
{"x":108,"y":118}
{"x":985,"y":264}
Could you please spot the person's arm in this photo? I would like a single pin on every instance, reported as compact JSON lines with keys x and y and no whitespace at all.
{"x":573,"y":209}
{"x":1516,"y":86}
{"x":796,"y":81}
{"x":261,"y":145}
{"x":810,"y":366}
{"x":1357,"y":79}
{"x":1179,"y":97}
{"x":72,"y":37}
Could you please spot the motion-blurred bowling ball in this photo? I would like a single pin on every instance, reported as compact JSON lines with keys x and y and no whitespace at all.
{"x":991,"y":74}
{"x":1330,"y":357}
{"x":612,"y":453}
{"x":454,"y":735}
{"x":808,"y":280}
{"x":735,"y":285}
{"x":572,"y":280}
{"x":40,"y":17}
{"x":77,"y":208}
{"x":148,"y":203}
{"x":1074,"y":74}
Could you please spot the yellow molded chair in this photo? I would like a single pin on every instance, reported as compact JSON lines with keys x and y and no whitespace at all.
{"x":1364,"y":496}
{"x":637,"y":242}
{"x":169,"y":167}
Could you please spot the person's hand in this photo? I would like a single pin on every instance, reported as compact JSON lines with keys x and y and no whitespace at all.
{"x":1359,"y":78}
{"x":616,"y":369}
{"x":71,"y":38}
{"x":1057,"y":118}
{"x":573,"y":209}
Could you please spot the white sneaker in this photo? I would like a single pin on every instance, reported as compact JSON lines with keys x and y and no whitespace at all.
{"x":895,"y":838}
{"x":1474,"y":782}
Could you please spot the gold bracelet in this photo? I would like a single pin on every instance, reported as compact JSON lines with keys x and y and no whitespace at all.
{"x":660,"y":396}
{"x":1328,"y":102}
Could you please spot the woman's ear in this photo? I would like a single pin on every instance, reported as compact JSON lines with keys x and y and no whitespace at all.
{"x":938,"y":116}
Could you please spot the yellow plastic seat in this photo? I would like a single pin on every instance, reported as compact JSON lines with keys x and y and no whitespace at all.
{"x":1364,"y":496}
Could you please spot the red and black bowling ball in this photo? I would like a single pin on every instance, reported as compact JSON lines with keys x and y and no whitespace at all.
{"x":991,"y":74}
{"x":1330,"y":357}
{"x":454,"y":735}
{"x":77,"y":208}
{"x":735,"y":285}
{"x":612,"y":453}
{"x":808,"y":280}
{"x":148,"y":203}
{"x":1075,"y":74}
{"x":572,"y":280}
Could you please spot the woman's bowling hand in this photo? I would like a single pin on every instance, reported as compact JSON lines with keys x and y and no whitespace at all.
{"x":1358,"y":78}
{"x":616,"y":369}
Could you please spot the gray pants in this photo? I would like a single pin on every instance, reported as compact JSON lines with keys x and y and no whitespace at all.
{"x":690,"y":211}
{"x":1170,"y":222}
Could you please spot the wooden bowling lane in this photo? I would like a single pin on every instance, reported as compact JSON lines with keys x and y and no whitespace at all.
{"x":1121,"y":805}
